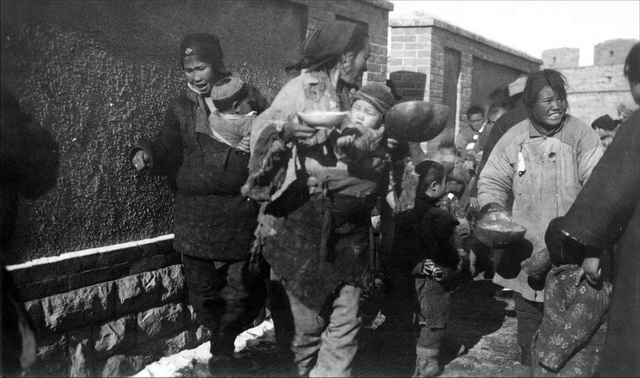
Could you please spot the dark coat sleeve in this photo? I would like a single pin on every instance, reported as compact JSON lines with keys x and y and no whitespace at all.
{"x":606,"y":203}
{"x":166,"y":150}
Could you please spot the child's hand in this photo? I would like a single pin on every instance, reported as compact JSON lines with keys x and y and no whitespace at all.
{"x":345,"y":141}
{"x":432,"y":269}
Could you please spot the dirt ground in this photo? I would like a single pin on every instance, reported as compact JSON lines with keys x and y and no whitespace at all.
{"x":484,"y":324}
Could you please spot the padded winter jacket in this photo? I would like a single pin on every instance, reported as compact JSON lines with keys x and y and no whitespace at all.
{"x":545,"y":175}
{"x":211,"y":218}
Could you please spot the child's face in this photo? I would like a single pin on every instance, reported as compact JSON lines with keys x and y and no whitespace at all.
{"x":440,"y":189}
{"x":243,"y":107}
{"x":437,"y":190}
{"x":475,"y":121}
{"x":365,"y":115}
{"x":606,"y":136}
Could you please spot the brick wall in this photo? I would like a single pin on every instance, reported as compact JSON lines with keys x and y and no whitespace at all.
{"x":597,"y":90}
{"x":613,"y":51}
{"x":417,"y":63}
{"x":110,"y":311}
{"x":564,"y":57}
{"x":373,"y":13}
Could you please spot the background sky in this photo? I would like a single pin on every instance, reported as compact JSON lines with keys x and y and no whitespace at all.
{"x":534,"y":26}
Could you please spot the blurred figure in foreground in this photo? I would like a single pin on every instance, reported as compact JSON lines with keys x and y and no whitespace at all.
{"x":28,"y":167}
{"x":607,"y":212}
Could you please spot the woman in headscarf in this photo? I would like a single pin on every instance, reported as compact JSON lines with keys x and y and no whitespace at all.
{"x":543,"y":161}
{"x":313,"y":224}
{"x":213,"y":223}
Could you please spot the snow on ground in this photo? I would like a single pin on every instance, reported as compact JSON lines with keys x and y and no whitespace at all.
{"x":485,"y":324}
{"x":189,"y":360}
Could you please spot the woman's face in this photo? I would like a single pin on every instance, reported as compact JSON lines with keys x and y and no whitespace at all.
{"x":199,"y":74}
{"x":354,"y":65}
{"x":549,"y":109}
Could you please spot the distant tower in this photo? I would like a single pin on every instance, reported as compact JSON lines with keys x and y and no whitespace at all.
{"x":613,"y":51}
{"x":565,"y":57}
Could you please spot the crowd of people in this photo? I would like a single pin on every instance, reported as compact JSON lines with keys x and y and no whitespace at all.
{"x":272,"y":211}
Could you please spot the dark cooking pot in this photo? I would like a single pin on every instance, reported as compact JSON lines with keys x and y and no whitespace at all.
{"x":416,"y":121}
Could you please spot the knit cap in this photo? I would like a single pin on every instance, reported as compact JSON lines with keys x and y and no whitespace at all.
{"x":205,"y":46}
{"x":228,"y":90}
{"x":378,"y":95}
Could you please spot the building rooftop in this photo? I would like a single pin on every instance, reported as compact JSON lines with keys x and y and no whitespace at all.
{"x":423,"y":19}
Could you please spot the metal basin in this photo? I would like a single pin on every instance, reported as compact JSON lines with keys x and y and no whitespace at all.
{"x":416,"y":121}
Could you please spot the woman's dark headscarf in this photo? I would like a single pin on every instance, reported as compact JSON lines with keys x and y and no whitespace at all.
{"x":538,"y":80}
{"x":324,"y":47}
{"x":206,"y":47}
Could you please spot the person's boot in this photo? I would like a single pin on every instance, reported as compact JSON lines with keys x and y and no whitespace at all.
{"x":221,"y":366}
{"x":522,"y":369}
{"x":426,"y":362}
{"x":525,"y":356}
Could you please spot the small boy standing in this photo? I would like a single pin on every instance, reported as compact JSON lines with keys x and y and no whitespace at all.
{"x":571,"y":339}
{"x":231,"y":124}
{"x":425,"y":246}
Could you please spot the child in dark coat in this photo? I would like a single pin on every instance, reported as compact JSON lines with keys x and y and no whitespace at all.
{"x":425,"y":245}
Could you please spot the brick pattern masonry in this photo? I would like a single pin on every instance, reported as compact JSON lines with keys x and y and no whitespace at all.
{"x":108,"y":313}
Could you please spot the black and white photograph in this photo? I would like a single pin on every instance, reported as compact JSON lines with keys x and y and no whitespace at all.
{"x":320,"y":188}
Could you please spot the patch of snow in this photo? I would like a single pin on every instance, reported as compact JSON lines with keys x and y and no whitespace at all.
{"x":169,"y":366}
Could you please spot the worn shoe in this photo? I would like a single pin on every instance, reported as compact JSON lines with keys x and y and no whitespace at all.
{"x":426,"y":363}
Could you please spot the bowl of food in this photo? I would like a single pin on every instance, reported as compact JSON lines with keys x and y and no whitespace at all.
{"x":498,"y":232}
{"x":326,"y":119}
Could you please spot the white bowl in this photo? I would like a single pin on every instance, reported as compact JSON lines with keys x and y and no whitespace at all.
{"x":323,"y":119}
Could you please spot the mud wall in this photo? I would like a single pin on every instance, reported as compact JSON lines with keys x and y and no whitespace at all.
{"x":100,"y":74}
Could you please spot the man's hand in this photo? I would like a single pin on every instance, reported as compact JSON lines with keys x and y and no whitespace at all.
{"x":590,"y":270}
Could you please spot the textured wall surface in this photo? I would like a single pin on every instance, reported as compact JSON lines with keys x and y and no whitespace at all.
{"x":100,"y":74}
{"x":564,"y":57}
{"x":597,"y":90}
{"x":613,"y":51}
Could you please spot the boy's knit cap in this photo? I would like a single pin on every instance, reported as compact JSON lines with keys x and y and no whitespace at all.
{"x":378,"y":95}
{"x":226,"y":88}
